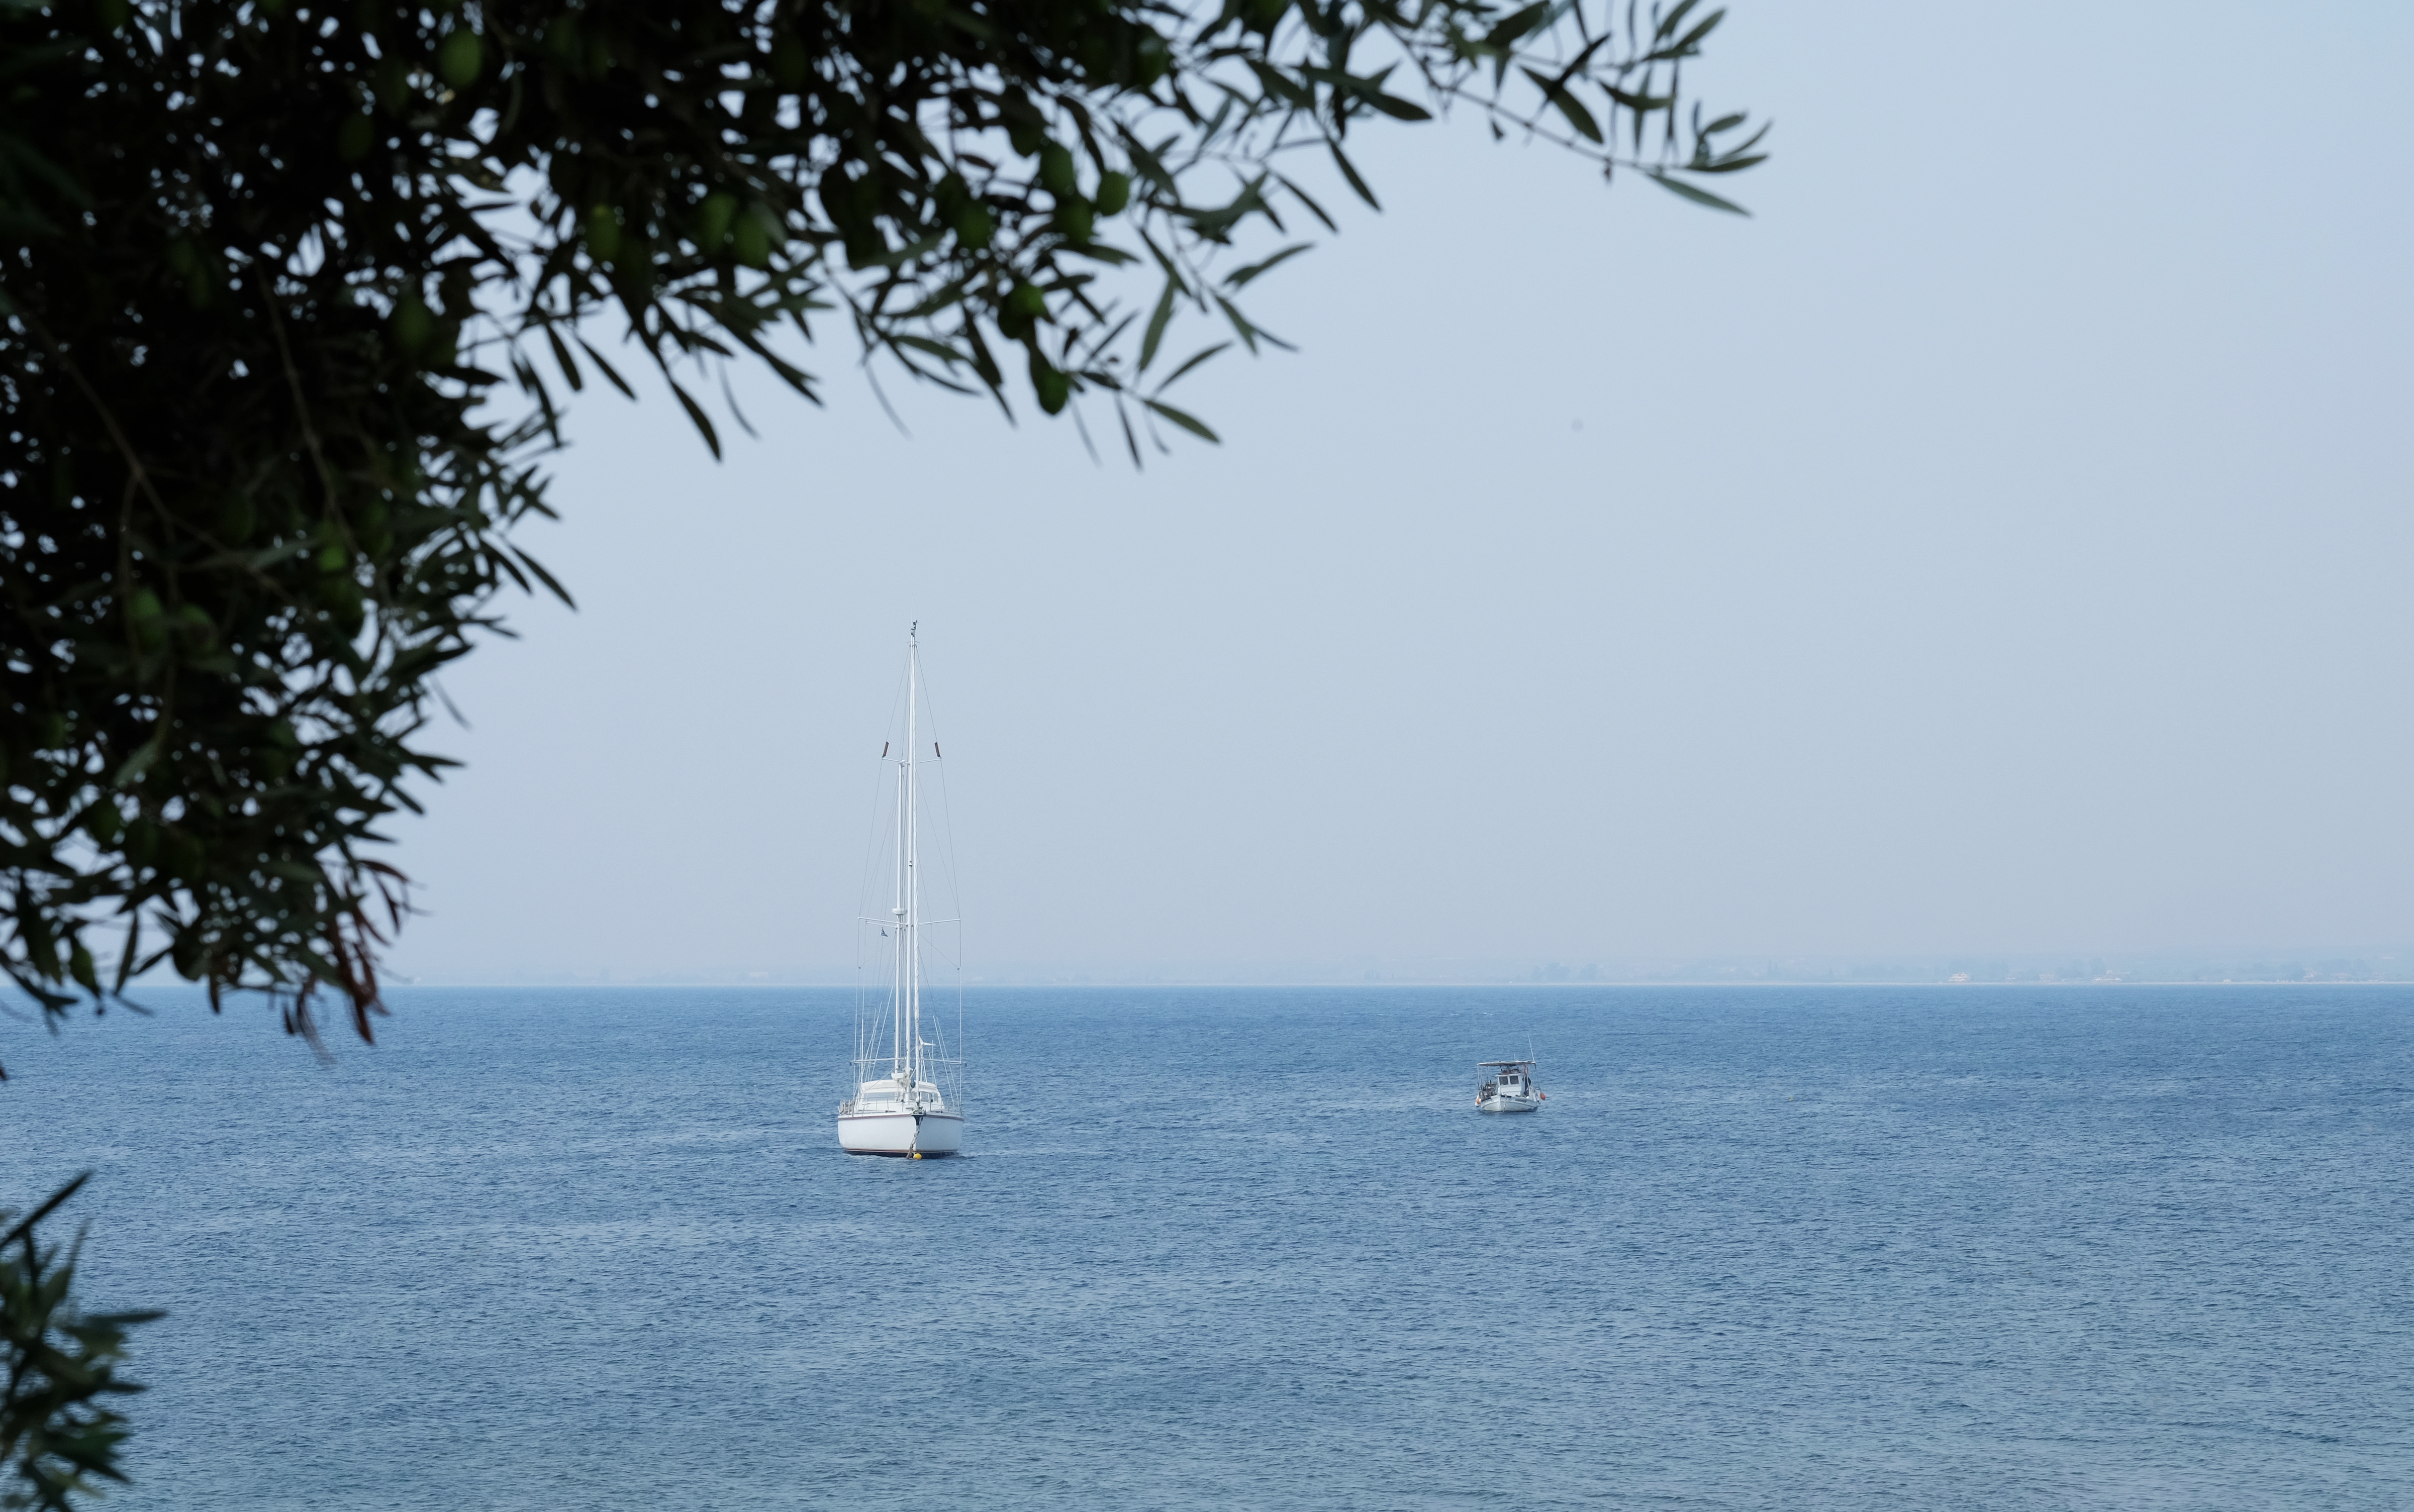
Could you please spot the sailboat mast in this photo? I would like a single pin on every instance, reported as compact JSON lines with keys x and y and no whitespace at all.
{"x":912,"y":880}
{"x":897,"y":925}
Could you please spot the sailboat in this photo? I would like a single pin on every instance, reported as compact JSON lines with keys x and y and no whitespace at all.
{"x":903,"y":1104}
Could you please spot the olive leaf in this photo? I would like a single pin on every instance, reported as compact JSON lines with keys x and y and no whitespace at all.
{"x":283,"y":306}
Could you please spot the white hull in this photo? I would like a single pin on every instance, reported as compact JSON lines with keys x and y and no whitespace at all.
{"x":901,"y":1134}
{"x":1509,"y":1105}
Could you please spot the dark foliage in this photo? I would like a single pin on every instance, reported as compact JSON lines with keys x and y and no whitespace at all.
{"x":291,"y":294}
{"x":57,"y":1433}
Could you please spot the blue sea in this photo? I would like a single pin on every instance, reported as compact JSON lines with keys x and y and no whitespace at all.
{"x":1766,"y":1248}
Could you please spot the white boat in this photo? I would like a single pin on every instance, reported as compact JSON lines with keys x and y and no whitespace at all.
{"x":1508,"y":1086}
{"x":907,"y":1096}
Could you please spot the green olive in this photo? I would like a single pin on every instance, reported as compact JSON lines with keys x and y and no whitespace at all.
{"x":413,"y":323}
{"x":1056,"y":174}
{"x":753,"y":238}
{"x":602,"y":233}
{"x":459,"y":58}
{"x":1053,"y":387}
{"x":712,"y":220}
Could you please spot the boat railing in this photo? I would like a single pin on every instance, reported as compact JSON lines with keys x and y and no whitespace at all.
{"x":952,"y":1106}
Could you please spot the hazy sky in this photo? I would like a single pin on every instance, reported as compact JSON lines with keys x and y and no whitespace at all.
{"x":1998,"y":543}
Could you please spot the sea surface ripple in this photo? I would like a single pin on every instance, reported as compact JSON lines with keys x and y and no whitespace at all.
{"x":1766,"y":1248}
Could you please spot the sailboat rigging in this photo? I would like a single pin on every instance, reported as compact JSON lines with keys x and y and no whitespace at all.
{"x":907,"y":1097}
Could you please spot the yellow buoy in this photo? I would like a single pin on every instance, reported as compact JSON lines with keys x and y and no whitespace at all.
{"x":917,"y":1154}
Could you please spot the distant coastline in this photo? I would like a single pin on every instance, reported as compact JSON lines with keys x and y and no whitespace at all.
{"x":2260,"y":968}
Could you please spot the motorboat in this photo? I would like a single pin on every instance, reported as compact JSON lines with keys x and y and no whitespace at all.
{"x":1507,"y":1086}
